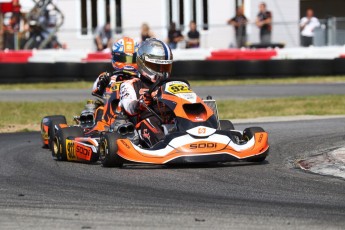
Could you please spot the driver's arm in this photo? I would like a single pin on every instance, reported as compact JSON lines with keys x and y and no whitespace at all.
{"x":128,"y":98}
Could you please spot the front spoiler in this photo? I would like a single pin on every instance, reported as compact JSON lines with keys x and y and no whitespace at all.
{"x":175,"y":152}
{"x":213,"y":158}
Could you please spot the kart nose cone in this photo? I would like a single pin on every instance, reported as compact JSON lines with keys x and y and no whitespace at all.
{"x":201,"y":131}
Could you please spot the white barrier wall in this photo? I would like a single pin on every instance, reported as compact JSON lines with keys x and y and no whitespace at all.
{"x":152,"y":12}
{"x":156,"y":13}
{"x":220,"y":35}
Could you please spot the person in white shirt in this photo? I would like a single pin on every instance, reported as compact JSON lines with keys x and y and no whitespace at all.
{"x":308,"y":25}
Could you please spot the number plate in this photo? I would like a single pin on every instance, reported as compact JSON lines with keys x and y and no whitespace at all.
{"x":70,"y":151}
{"x":177,"y":87}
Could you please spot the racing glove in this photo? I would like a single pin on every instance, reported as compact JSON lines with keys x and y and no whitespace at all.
{"x":103,"y":82}
{"x":147,"y":99}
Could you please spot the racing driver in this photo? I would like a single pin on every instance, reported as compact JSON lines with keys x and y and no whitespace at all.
{"x":123,"y":61}
{"x":154,"y":60}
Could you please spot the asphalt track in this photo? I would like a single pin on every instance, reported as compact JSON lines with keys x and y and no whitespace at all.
{"x":38,"y":192}
{"x":218,"y":92}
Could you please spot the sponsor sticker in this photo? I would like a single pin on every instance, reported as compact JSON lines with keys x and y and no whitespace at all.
{"x":116,"y":86}
{"x":158,"y":61}
{"x":202,"y":130}
{"x":83,"y":152}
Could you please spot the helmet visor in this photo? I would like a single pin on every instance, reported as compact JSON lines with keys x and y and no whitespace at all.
{"x":125,"y":58}
{"x":160,"y":68}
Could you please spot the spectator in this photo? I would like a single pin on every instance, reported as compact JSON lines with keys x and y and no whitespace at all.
{"x":264,"y":22}
{"x":308,"y":25}
{"x":104,"y":37}
{"x":10,"y":28}
{"x":146,"y":32}
{"x":39,"y":28}
{"x":239,"y":22}
{"x":24,"y":33}
{"x":174,"y":36}
{"x":36,"y":28}
{"x":193,"y":36}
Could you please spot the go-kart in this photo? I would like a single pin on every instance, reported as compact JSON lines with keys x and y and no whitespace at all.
{"x":97,"y":117}
{"x":193,"y":134}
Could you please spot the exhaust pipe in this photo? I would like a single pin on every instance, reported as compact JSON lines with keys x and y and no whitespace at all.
{"x":125,"y":129}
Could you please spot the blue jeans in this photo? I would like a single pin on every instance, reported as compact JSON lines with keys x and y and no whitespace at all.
{"x":172,"y":45}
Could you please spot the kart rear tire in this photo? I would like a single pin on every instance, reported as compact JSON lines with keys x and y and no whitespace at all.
{"x":59,"y":143}
{"x":248,"y":133}
{"x":54,"y":120}
{"x":226,"y":125}
{"x":108,"y":151}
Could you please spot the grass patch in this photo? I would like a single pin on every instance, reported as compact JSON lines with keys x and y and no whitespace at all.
{"x":20,"y":114}
{"x":272,"y":81}
{"x":291,"y":106}
{"x":31,"y":113}
{"x":88,"y":85}
{"x":50,"y":85}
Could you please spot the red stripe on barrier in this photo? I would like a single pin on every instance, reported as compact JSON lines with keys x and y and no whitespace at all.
{"x":97,"y":57}
{"x":237,"y":54}
{"x":21,"y":56}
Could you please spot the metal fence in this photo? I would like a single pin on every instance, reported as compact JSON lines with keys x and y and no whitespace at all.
{"x":331,"y":32}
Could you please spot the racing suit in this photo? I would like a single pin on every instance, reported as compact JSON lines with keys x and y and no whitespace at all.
{"x":105,"y":113}
{"x":131,"y":92}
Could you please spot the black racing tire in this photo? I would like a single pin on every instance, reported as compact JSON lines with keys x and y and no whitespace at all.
{"x":248,"y":133}
{"x":59,"y":143}
{"x":54,"y":120}
{"x":226,"y":125}
{"x":108,"y":150}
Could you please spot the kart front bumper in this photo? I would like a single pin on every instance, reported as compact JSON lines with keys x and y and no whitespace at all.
{"x":188,"y":149}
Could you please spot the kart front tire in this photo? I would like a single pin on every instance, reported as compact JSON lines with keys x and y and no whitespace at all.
{"x":54,"y":120}
{"x":248,"y":133}
{"x":108,"y":151}
{"x":226,"y":125}
{"x":59,"y":142}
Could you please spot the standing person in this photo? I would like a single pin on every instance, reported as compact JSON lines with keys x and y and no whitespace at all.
{"x":146,"y":32}
{"x":308,"y":25}
{"x":264,"y":22}
{"x":239,"y":22}
{"x":193,"y":36}
{"x":10,"y":29}
{"x":104,"y":37}
{"x":174,"y":36}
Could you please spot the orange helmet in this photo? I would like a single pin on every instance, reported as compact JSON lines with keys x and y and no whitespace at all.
{"x":124,"y":54}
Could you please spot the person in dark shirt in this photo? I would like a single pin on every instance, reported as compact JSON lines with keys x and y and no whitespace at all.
{"x":104,"y":37}
{"x":239,"y":22}
{"x":174,"y":36}
{"x":193,"y":36}
{"x":264,"y":22}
